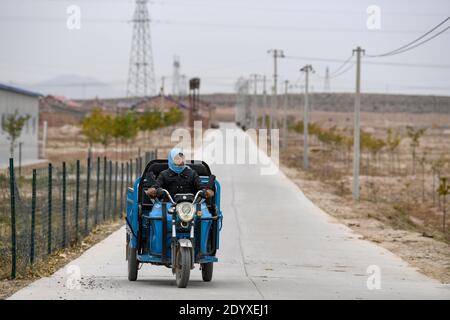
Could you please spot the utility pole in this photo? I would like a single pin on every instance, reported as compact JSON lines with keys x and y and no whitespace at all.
{"x":356,"y":128}
{"x":276,"y":53}
{"x":254,"y":113}
{"x":285,"y":103}
{"x":264,"y":118}
{"x":306,"y":69}
{"x":162,"y":93}
{"x":327,"y":80}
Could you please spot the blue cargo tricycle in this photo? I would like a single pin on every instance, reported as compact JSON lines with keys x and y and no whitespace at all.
{"x":174,"y":232}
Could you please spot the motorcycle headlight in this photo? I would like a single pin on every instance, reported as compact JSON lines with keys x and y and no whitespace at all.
{"x":185,"y":211}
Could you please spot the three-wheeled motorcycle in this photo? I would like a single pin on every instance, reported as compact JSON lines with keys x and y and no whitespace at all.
{"x":174,"y":232}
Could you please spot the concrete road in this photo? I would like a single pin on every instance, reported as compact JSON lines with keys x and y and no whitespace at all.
{"x":276,"y":244}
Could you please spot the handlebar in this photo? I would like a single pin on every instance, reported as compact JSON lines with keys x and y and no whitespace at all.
{"x":161,"y":190}
{"x":199,"y":193}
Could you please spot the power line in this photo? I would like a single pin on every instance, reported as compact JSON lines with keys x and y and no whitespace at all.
{"x":411,"y":45}
{"x":274,"y":27}
{"x":412,"y":65}
{"x":286,"y":9}
{"x":420,"y":43}
{"x":341,"y":66}
{"x":336,"y":75}
{"x":395,"y":64}
{"x":330,"y":75}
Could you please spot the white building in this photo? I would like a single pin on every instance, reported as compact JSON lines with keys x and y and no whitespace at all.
{"x":25,"y":102}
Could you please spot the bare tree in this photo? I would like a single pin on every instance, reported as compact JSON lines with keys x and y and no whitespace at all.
{"x":444,"y":191}
{"x":423,"y":162}
{"x":392,"y":142}
{"x":415,"y":135}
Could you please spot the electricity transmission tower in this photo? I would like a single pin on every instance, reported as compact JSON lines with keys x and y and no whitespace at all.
{"x":176,"y":78}
{"x":141,"y":74}
{"x":183,"y":85}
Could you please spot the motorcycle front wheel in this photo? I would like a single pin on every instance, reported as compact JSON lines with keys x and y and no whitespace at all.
{"x":183,"y":269}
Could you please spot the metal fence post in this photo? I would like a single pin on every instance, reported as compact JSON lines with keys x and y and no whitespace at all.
{"x":110,"y":188}
{"x":104,"y":188}
{"x":97,"y":191}
{"x":137,"y":168}
{"x":13,"y":219}
{"x":20,"y":159}
{"x":131,"y":172}
{"x":116,"y":172}
{"x":63,"y":207}
{"x":86,"y":208}
{"x":77,"y":198}
{"x":121,"y":190}
{"x":33,"y":216}
{"x":49,"y":199}
{"x":128,"y":178}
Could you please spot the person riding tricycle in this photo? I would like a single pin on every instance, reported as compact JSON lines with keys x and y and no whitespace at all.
{"x":174,"y":217}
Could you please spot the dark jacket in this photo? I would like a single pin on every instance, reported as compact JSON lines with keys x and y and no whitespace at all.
{"x":187,"y":181}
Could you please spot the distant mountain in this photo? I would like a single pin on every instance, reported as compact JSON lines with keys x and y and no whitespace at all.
{"x":77,"y":87}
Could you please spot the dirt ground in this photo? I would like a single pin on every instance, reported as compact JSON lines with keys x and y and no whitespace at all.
{"x":430,"y":256}
{"x":67,"y":142}
{"x":398,"y":209}
{"x":58,"y":259}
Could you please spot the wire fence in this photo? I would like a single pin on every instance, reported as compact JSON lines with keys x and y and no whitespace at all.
{"x":55,"y":207}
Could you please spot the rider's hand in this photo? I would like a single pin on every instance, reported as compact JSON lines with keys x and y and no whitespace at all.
{"x":151,"y":192}
{"x":209,"y":193}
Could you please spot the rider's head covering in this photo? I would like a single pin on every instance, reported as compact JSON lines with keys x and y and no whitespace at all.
{"x":171,"y":157}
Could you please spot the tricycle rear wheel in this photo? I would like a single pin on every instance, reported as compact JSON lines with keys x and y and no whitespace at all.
{"x":132,"y":264}
{"x":207,"y":271}
{"x":183,"y":269}
{"x":127,"y":241}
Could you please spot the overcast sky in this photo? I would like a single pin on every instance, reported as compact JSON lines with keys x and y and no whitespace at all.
{"x":221,"y":40}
